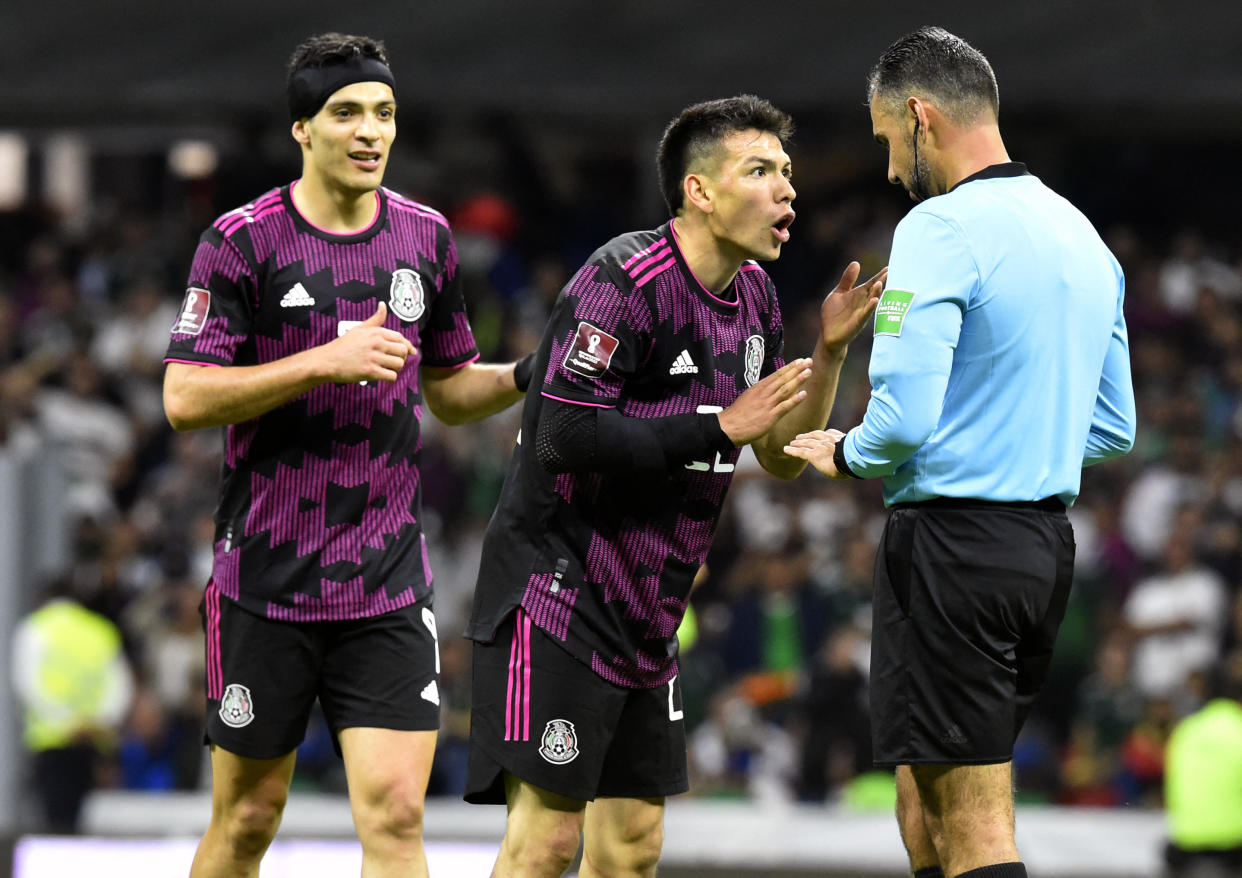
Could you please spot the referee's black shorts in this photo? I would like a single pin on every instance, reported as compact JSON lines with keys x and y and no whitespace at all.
{"x":969,"y":595}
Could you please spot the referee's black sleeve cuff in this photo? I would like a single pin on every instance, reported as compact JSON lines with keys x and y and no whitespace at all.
{"x":838,"y":460}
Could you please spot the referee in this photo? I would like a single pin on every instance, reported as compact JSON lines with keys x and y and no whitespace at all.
{"x":1000,"y":367}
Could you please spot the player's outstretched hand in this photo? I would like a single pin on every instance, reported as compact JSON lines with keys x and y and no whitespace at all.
{"x":368,"y":351}
{"x":846,"y":308}
{"x":817,"y":448}
{"x":755,"y":411}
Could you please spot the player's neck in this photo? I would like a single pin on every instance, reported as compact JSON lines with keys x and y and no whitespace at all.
{"x":705,"y":255}
{"x":331,"y":209}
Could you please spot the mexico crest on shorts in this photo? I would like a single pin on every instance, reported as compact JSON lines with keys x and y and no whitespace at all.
{"x":752,"y":358}
{"x":236,"y":706}
{"x":405,"y":296}
{"x":559,"y":743}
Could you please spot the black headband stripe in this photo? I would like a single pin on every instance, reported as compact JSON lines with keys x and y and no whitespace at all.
{"x":310,"y":87}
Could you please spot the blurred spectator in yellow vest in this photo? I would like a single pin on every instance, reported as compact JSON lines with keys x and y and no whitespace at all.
{"x":1203,"y":784}
{"x":74,"y":686}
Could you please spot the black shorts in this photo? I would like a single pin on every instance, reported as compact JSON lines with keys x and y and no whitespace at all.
{"x":545,"y":717}
{"x":263,"y":675}
{"x":968,"y":599}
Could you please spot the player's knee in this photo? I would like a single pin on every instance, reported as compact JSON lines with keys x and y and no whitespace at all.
{"x":562,"y":842}
{"x":549,"y":852}
{"x":250,"y":825}
{"x":634,"y":847}
{"x":395,"y":812}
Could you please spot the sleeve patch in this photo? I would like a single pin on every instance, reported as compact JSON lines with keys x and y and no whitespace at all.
{"x":591,"y":351}
{"x":193,"y":316}
{"x":890,"y":314}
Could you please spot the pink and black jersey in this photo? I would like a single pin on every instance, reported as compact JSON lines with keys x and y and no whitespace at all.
{"x":604,"y":562}
{"x":320,"y":501}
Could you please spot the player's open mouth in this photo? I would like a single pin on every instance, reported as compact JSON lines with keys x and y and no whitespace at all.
{"x":368,"y":160}
{"x":780,"y":228}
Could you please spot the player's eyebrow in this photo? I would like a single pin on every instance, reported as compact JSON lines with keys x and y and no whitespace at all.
{"x":765,"y":162}
{"x":349,"y":104}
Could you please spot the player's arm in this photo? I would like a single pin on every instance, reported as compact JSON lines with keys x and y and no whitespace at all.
{"x":591,"y":438}
{"x":842,"y":315}
{"x":470,"y":392}
{"x":197,"y":396}
{"x":1113,"y":422}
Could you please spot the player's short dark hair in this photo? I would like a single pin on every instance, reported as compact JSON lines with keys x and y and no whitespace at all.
{"x":933,"y":63}
{"x":332,"y":48}
{"x":698,"y":130}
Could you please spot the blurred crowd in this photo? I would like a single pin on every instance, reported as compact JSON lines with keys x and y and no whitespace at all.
{"x":775,"y":651}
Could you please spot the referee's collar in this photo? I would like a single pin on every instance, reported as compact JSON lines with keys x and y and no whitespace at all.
{"x":1004,"y":169}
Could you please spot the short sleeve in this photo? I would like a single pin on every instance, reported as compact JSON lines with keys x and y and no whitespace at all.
{"x":599,"y":337}
{"x":447,"y":340}
{"x":217,"y":312}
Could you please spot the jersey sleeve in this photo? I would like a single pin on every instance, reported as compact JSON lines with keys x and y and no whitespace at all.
{"x":1113,"y":420}
{"x":599,"y":339}
{"x":217,"y":313}
{"x":917,"y":324}
{"x":447,"y":341}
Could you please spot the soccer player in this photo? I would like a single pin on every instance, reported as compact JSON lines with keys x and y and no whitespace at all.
{"x":319,"y":320}
{"x":663,"y":356}
{"x":1000,"y":367}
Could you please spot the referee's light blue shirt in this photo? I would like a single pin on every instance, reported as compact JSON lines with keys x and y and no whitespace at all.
{"x":1000,"y":365}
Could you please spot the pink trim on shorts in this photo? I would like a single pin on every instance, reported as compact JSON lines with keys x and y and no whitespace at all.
{"x":517,"y":693}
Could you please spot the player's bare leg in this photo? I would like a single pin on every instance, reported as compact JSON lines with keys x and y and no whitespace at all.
{"x":968,"y":810}
{"x":387,"y":772}
{"x":623,"y":838}
{"x":247,"y":800}
{"x":918,"y":841}
{"x":542,"y":832}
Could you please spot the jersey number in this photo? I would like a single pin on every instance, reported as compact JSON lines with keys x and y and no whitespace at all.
{"x":702,"y":466}
{"x":674,"y":713}
{"x":429,"y":619}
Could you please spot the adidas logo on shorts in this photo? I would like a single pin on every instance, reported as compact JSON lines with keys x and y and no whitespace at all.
{"x":953,"y":735}
{"x":683,"y":365}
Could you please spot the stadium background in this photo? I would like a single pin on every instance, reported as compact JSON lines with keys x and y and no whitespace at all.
{"x":128,"y":126}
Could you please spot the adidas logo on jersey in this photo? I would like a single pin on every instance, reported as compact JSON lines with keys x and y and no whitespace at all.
{"x":683,"y":365}
{"x":297,"y":297}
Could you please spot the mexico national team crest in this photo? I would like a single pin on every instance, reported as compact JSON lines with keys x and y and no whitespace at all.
{"x":559,"y":743}
{"x":405,"y":297}
{"x":236,"y":706}
{"x":753,"y":359}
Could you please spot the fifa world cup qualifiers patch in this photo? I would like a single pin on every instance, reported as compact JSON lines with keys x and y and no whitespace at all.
{"x":890,"y":313}
{"x":591,"y":351}
{"x":193,"y":316}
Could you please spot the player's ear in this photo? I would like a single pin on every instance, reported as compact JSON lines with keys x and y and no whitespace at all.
{"x":299,"y":132}
{"x":698,"y":192}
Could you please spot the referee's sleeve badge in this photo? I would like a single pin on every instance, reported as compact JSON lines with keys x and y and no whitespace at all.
{"x":890,"y":313}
